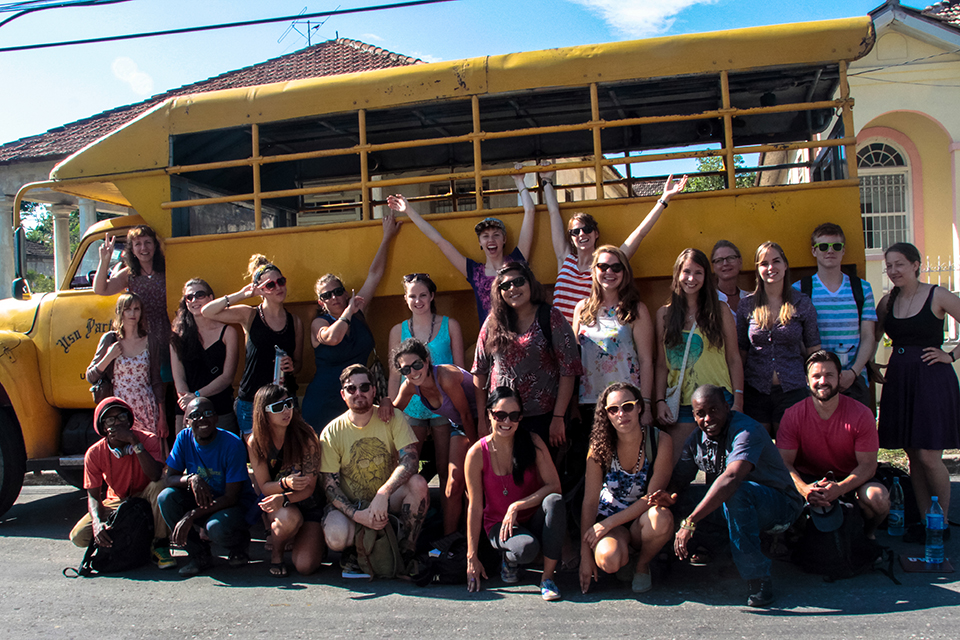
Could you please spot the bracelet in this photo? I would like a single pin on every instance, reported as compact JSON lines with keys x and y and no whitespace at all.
{"x":283,"y":487}
{"x":226,"y":299}
{"x":688,"y":524}
{"x":556,"y":416}
{"x":740,"y":391}
{"x":646,"y":400}
{"x":660,"y":400}
{"x":345,"y":320}
{"x":664,"y":203}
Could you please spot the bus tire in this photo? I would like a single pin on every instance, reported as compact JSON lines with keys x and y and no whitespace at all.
{"x":13,"y":461}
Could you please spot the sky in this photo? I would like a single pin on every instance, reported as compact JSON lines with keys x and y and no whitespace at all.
{"x":45,"y":88}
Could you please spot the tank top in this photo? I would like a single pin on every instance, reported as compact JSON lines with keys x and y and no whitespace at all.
{"x":446,"y":408}
{"x":572,"y":286}
{"x":260,"y":354}
{"x":440,"y":353}
{"x":621,"y":488}
{"x":608,"y":354}
{"x":499,"y":492}
{"x":705,"y":365}
{"x":204,"y":369}
{"x":924,"y":329}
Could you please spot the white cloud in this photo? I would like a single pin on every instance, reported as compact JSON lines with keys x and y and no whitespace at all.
{"x":126,"y":70}
{"x":426,"y":57}
{"x":371,"y":37}
{"x":639,"y":18}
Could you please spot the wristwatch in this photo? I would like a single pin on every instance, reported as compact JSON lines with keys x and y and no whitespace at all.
{"x":138,"y":448}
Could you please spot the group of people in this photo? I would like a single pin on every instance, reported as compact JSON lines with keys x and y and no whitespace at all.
{"x":765,"y":391}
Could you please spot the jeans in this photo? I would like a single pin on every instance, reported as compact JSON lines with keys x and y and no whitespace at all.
{"x":244,"y":411}
{"x":549,"y":522}
{"x":752,"y":510}
{"x":227,"y":527}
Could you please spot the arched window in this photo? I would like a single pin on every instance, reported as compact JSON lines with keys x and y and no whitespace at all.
{"x":884,"y":196}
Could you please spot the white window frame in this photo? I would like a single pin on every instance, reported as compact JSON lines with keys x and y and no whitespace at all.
{"x":908,"y":191}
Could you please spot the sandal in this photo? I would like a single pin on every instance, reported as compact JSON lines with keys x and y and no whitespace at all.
{"x":700,"y":558}
{"x":278,"y":570}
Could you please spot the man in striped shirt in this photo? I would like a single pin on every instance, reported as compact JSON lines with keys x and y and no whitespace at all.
{"x":845,"y":329}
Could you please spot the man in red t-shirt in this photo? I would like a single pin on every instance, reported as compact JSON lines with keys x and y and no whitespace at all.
{"x":127,"y":461}
{"x":828,"y":433}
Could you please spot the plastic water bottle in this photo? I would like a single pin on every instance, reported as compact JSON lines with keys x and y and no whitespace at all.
{"x":935,"y":526}
{"x":895,"y":519}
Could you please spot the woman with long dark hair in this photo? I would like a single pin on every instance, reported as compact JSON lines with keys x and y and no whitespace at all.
{"x":695,"y":315}
{"x":285,"y":456}
{"x":776,"y":331}
{"x":625,"y":507}
{"x":515,"y":499}
{"x":513,"y":350}
{"x":920,"y":405}
{"x":203,"y":356}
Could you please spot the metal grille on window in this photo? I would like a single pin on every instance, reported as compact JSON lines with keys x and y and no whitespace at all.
{"x":883,"y":197}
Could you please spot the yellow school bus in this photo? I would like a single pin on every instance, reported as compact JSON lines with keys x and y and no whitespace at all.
{"x":300,"y":171}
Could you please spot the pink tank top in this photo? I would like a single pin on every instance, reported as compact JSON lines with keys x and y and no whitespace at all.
{"x":499,"y":492}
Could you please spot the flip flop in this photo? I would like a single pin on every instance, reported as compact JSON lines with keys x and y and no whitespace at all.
{"x":700,"y":558}
{"x":278,"y":570}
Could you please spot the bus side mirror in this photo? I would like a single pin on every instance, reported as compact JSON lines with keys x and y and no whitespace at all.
{"x":20,"y":288}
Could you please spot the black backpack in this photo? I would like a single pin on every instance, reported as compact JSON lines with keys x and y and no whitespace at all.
{"x":131,"y":529}
{"x":843,"y":553}
{"x":447,"y":567}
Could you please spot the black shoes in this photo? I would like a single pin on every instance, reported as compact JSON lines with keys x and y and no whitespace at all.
{"x":761,"y":593}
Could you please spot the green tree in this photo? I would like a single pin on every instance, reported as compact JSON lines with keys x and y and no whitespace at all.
{"x":38,"y":223}
{"x":716,"y":182}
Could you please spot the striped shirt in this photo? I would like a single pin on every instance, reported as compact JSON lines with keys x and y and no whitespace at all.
{"x":837,"y":317}
{"x":572,"y":286}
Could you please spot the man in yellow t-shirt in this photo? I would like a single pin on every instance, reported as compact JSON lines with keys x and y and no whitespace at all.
{"x":369,"y":462}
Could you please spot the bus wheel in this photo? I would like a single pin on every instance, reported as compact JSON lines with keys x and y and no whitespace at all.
{"x":13,"y":461}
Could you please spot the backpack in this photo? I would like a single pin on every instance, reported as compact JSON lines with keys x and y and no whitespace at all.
{"x":843,"y":553}
{"x":449,"y":566}
{"x":131,"y":529}
{"x":378,"y":553}
{"x":856,"y":285}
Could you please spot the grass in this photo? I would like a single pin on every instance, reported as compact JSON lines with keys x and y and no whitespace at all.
{"x":898,"y":458}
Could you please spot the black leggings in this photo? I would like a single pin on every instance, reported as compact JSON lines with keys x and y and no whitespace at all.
{"x":548,"y":524}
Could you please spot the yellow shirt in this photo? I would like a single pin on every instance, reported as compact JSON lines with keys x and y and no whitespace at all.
{"x":705,"y":365}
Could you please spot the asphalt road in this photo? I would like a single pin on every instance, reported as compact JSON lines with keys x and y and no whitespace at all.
{"x":36,"y":601}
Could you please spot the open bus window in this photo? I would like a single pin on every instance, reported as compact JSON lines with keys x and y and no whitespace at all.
{"x":83,"y":278}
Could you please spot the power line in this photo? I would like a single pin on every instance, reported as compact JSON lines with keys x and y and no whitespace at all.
{"x":32,"y":6}
{"x":226,"y":25}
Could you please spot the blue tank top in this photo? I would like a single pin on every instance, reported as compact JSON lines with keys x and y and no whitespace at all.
{"x":440,"y":353}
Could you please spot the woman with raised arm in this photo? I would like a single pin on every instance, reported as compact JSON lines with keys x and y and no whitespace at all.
{"x":492,"y":234}
{"x":776,"y":331}
{"x":727,"y":264}
{"x":129,"y":357}
{"x":625,"y":507}
{"x":445,"y":390}
{"x":920,"y":405}
{"x":515,"y":499}
{"x":615,"y":333}
{"x":526,"y":344}
{"x":340,"y":336}
{"x":268,"y":327}
{"x":575,"y":244}
{"x":203,"y":356}
{"x":695,"y":315}
{"x":143,"y":273}
{"x":285,"y":457}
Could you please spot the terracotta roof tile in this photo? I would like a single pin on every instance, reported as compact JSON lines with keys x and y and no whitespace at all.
{"x":333,"y":57}
{"x":947,"y":11}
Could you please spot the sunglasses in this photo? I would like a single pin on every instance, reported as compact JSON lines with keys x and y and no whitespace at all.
{"x":339,"y":291}
{"x":363,"y":388}
{"x":626,"y":407}
{"x":197,"y":295}
{"x":416,"y":366}
{"x":823,"y":246}
{"x":510,"y":284}
{"x":719,"y":261}
{"x":616,"y":267}
{"x":280,"y":405}
{"x":503,"y":416}
{"x":123,"y":418}
{"x":270,"y":285}
{"x":573,"y":233}
{"x":201,"y":414}
{"x":413,"y":277}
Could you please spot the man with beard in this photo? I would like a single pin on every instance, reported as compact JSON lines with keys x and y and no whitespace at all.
{"x":746,"y":478}
{"x":369,"y":470}
{"x":829,"y":444}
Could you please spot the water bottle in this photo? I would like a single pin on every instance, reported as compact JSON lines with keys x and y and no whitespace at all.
{"x":277,"y":373}
{"x":935,"y":526}
{"x":895,"y":519}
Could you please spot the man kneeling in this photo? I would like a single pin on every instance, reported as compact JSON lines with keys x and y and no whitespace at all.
{"x":369,"y":469}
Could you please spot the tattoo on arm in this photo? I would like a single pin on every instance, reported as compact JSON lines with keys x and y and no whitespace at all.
{"x":408,"y":465}
{"x":335,"y":495}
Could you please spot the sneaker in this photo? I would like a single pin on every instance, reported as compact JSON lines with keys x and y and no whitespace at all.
{"x":509,"y":572}
{"x":238,"y":558}
{"x":761,"y":593}
{"x":161,"y":556}
{"x":350,"y":568}
{"x":642,"y":582}
{"x":196,"y":564}
{"x":549,"y":591}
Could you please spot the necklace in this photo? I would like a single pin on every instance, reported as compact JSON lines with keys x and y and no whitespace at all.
{"x":433,"y":321}
{"x":503,"y":483}
{"x":636,"y":467}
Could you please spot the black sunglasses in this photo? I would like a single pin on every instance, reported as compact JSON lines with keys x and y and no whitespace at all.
{"x":616,"y":267}
{"x":122,"y":418}
{"x":503,"y":416}
{"x":199,"y":414}
{"x":823,"y":246}
{"x":510,"y":284}
{"x":352,"y":388}
{"x":573,"y":233}
{"x":270,"y":285}
{"x":196,"y":295}
{"x":280,"y":405}
{"x":416,"y":366}
{"x":413,"y":277}
{"x":339,"y":291}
